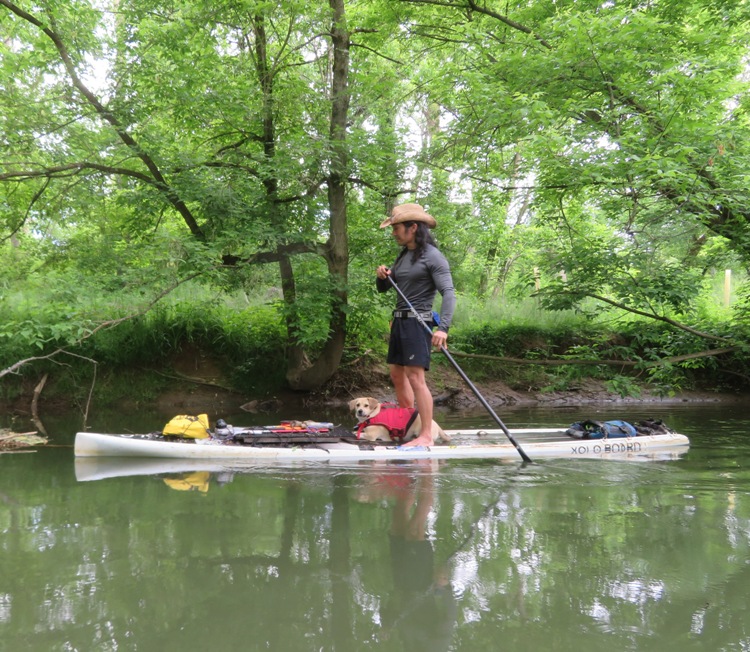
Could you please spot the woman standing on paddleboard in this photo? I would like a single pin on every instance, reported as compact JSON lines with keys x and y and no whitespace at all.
{"x":420,"y":271}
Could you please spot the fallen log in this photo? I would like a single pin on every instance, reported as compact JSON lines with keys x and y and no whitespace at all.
{"x":10,"y":440}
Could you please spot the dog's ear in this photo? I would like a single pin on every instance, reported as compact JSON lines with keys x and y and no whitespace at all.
{"x":372,"y":402}
{"x":352,"y":403}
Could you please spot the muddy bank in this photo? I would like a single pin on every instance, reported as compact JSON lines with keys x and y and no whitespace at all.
{"x":209,"y":393}
{"x":452,"y":395}
{"x":497,"y":393}
{"x":372,"y":379}
{"x":448,"y":389}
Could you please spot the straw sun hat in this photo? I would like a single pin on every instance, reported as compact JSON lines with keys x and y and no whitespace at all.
{"x":408,"y":213}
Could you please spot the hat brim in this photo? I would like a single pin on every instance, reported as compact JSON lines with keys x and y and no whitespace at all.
{"x":418,"y":217}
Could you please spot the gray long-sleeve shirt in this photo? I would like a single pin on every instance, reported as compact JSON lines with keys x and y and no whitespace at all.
{"x":421,"y":280}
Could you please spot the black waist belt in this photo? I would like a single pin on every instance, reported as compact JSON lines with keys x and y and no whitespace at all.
{"x":402,"y":314}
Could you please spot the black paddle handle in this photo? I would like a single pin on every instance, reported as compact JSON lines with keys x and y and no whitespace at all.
{"x":460,"y":371}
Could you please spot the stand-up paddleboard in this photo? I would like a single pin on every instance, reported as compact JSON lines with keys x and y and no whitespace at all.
{"x":537,"y":442}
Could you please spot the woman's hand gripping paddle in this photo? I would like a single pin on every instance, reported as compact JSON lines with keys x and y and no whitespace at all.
{"x":481,"y":398}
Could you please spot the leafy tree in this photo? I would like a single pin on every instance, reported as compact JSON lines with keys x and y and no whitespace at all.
{"x":147,"y":142}
{"x":616,"y":128}
{"x":220,"y":121}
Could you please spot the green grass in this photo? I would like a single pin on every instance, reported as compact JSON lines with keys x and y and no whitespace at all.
{"x":244,"y":331}
{"x":472,"y":313}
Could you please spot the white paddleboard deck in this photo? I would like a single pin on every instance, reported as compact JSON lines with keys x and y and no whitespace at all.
{"x":536,"y":443}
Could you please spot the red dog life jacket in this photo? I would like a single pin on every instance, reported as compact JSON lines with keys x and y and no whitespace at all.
{"x":397,"y":420}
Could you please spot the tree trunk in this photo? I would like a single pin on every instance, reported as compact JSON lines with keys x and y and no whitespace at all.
{"x":312,"y":376}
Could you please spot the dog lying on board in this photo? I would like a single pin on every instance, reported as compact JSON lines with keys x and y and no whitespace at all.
{"x":373,"y":425}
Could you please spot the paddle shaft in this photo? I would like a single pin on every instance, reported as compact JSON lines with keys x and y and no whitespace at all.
{"x":461,"y":373}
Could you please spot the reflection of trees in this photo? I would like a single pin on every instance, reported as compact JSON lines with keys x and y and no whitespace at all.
{"x":597,"y":560}
{"x":303,"y":560}
{"x":340,"y":564}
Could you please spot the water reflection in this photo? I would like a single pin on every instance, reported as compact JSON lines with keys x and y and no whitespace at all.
{"x":416,"y":555}
{"x":571,"y":555}
{"x":421,"y":608}
{"x":101,"y":468}
{"x":195,"y":481}
{"x":417,"y":609}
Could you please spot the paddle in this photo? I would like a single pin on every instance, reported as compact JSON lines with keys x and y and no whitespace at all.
{"x":460,"y":371}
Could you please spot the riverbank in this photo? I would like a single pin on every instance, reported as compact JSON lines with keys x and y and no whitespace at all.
{"x":448,"y":390}
{"x":203,"y":388}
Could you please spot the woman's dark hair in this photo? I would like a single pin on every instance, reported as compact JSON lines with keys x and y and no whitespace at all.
{"x":422,"y":237}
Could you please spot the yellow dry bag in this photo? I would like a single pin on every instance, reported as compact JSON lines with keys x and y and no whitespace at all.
{"x":197,"y":481}
{"x":188,"y":426}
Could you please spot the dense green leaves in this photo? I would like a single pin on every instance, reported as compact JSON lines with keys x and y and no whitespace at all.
{"x":575,"y":150}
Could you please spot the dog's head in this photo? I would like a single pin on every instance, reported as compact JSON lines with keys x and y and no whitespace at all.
{"x":364,"y":407}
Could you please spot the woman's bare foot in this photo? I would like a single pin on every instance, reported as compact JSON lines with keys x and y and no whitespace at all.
{"x":422,"y":440}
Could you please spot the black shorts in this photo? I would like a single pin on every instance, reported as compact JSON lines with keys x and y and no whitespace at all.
{"x":410,"y":344}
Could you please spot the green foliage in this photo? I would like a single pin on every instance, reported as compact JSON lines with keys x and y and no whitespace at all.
{"x":39,"y":315}
{"x":369,"y":315}
{"x":507,"y":340}
{"x":310,"y":313}
{"x":596,"y":158}
{"x":252,"y":346}
{"x":592,"y":348}
{"x":627,"y":386}
{"x":248,"y":343}
{"x":247,"y":340}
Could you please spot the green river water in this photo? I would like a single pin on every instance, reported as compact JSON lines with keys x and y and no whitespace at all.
{"x":568,"y":555}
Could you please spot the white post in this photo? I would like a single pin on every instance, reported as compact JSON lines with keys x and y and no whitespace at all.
{"x":727,"y":286}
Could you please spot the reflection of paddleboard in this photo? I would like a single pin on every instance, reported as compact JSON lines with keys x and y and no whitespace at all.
{"x":537,"y":443}
{"x":99,"y":468}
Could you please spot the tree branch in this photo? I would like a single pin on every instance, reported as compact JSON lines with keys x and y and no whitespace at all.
{"x":642,"y":313}
{"x":108,"y":116}
{"x":375,"y":52}
{"x":33,"y":201}
{"x":71,"y":169}
{"x":262,"y":257}
{"x":474,"y":6}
